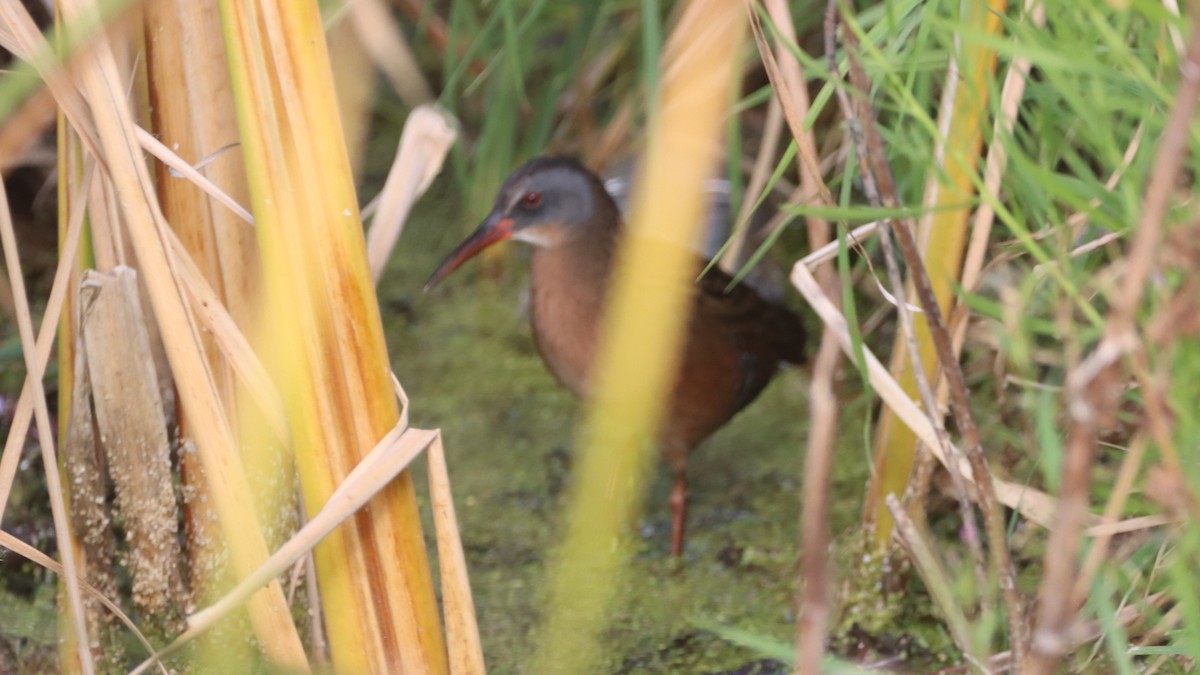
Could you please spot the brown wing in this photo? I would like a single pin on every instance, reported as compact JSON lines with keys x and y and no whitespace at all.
{"x":764,"y":333}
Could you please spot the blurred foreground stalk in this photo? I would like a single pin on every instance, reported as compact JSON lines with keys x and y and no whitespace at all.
{"x":643,"y":331}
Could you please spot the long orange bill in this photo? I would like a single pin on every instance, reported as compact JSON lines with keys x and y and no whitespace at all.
{"x":493,"y":229}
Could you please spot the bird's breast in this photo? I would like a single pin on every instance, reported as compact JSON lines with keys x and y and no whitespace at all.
{"x":566,"y":299}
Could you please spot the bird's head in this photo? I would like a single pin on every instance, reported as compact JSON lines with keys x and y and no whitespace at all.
{"x":547,"y":202}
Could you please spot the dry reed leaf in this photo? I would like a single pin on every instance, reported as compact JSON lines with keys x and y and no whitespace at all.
{"x":20,"y":36}
{"x":129,"y":415}
{"x":829,"y":251}
{"x":1034,"y":505}
{"x":231,"y":493}
{"x":378,"y":468}
{"x":429,"y":132}
{"x":176,"y":163}
{"x":21,"y":129}
{"x":23,"y":413}
{"x":34,"y":372}
{"x":231,"y":342}
{"x":1110,"y":528}
{"x":383,"y":40}
{"x":458,"y":607}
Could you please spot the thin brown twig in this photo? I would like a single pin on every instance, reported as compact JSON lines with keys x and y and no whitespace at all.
{"x":1094,"y":387}
{"x":1122,"y":488}
{"x":792,"y":79}
{"x":787,"y":77}
{"x":877,"y":175}
{"x":814,"y":613}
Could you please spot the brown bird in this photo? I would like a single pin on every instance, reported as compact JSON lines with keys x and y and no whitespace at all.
{"x":735,"y":340}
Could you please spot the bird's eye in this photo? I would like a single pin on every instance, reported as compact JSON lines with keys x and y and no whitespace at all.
{"x":532,"y":199}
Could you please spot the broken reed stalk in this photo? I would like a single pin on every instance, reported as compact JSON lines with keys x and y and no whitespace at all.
{"x":390,"y":456}
{"x":133,"y":428}
{"x":1094,"y":387}
{"x":429,"y":133}
{"x":877,"y":173}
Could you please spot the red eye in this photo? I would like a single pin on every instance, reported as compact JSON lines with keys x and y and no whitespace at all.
{"x":532,"y":199}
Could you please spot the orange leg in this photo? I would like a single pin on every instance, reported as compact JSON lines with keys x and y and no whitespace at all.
{"x":678,"y":511}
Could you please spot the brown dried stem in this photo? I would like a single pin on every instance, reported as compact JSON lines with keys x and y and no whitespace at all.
{"x":814,"y":600}
{"x":787,"y":77}
{"x":1094,"y":387}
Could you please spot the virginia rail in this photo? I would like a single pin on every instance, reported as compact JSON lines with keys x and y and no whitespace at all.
{"x":735,"y":340}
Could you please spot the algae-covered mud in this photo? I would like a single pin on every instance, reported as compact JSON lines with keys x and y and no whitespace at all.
{"x":467,"y":360}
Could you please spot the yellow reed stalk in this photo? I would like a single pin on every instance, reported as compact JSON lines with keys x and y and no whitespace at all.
{"x":70,"y":172}
{"x":942,"y":238}
{"x":642,"y":335}
{"x":324,"y":332}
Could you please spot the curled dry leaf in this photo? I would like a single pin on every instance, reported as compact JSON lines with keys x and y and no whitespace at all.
{"x":428,"y":134}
